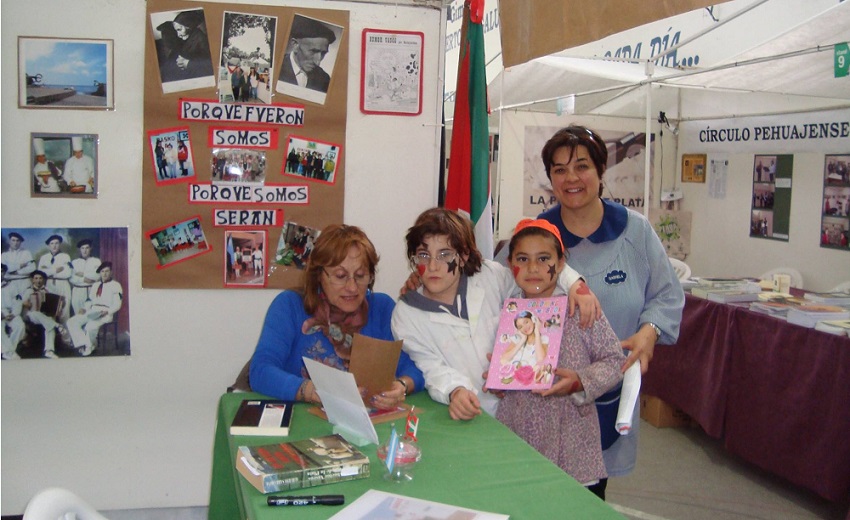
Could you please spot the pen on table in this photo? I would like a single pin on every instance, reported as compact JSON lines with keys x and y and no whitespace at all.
{"x":324,"y":500}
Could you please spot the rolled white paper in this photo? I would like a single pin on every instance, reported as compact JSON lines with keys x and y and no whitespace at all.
{"x":628,"y":399}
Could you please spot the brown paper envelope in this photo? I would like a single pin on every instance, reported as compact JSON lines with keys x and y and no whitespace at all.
{"x":374,"y":362}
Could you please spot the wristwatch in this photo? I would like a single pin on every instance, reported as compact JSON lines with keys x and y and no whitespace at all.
{"x":656,"y":329}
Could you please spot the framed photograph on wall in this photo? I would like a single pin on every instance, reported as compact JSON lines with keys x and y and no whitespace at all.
{"x":835,"y":214}
{"x":63,"y":165}
{"x":68,"y":73}
{"x":693,"y":167}
{"x":391,"y":72}
{"x":770,"y":211}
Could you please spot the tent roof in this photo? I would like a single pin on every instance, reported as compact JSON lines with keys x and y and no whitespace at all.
{"x":790,"y":68}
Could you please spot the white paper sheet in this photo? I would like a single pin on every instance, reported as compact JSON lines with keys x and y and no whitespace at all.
{"x":628,"y":399}
{"x":380,"y":504}
{"x":341,"y":400}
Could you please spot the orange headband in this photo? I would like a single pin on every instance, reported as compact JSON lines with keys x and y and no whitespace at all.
{"x":542,"y":224}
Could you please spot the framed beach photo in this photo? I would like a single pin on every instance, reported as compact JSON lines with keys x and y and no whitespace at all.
{"x":63,"y":165}
{"x":67,"y":73}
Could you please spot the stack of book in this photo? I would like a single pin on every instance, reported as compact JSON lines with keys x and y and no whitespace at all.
{"x":810,"y":315}
{"x":776,"y":304}
{"x":837,"y":327}
{"x":829,"y":298}
{"x":727,"y":290}
{"x":301,"y":464}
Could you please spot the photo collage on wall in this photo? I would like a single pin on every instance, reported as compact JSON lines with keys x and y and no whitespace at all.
{"x":770,"y":213}
{"x":835,"y":222}
{"x":245,"y":115}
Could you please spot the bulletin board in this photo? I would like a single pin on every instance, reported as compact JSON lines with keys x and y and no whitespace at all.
{"x":220,"y":181}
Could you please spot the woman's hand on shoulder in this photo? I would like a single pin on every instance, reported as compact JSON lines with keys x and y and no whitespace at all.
{"x":413,"y":282}
{"x":588,"y":304}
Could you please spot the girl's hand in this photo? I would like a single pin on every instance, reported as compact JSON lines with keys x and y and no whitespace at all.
{"x":568,"y":383}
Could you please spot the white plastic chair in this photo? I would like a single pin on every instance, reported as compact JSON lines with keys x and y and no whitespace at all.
{"x":796,"y":277}
{"x":59,"y":504}
{"x":683,"y":270}
{"x":842,"y":287}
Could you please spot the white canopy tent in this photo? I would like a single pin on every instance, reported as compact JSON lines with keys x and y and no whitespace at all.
{"x":745,"y":57}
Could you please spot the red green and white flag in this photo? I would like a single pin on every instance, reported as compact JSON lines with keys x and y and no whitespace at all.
{"x":468,"y":186}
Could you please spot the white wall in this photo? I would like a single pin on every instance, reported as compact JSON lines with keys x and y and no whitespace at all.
{"x":137,"y":432}
{"x":720,"y":231}
{"x":720,"y":241}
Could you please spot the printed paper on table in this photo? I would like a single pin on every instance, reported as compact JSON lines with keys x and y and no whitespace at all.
{"x":528,"y":341}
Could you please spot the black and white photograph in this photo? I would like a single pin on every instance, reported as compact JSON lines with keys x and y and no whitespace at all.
{"x":307,"y":66}
{"x":64,"y":165}
{"x":66,"y":73}
{"x":238,"y":166}
{"x":247,"y":54}
{"x":183,"y":50}
{"x":311,"y":159}
{"x":65,"y":293}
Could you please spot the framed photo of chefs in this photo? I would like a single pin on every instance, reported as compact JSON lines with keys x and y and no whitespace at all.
{"x":64,"y":165}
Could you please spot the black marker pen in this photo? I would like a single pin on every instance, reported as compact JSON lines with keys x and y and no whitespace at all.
{"x":324,"y":500}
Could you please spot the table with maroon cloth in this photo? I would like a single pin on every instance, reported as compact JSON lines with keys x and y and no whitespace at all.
{"x":777,"y":394}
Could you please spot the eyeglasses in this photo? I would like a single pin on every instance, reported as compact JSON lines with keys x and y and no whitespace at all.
{"x":444,"y":257}
{"x":341,"y":279}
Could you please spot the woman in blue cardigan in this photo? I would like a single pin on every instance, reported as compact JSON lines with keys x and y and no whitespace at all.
{"x":319,"y":322}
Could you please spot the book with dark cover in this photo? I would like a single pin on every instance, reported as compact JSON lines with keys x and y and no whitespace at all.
{"x":301,"y":464}
{"x":262,"y":417}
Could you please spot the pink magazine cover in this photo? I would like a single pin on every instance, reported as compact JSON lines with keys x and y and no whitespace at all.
{"x":525,"y":354}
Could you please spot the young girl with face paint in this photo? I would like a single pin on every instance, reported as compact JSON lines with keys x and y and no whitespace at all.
{"x":449,"y":324}
{"x":561,"y":422}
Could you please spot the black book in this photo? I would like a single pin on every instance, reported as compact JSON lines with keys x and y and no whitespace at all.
{"x":262,"y":417}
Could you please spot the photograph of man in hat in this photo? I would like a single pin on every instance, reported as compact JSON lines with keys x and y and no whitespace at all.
{"x":105,"y":299}
{"x":310,"y":41}
{"x":19,"y":264}
{"x":57,"y":269}
{"x":12,"y":327}
{"x":79,"y":168}
{"x":41,"y":307}
{"x":46,"y":172}
{"x":84,"y":274}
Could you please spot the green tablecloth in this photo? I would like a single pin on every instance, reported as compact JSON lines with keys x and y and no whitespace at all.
{"x":479,"y":464}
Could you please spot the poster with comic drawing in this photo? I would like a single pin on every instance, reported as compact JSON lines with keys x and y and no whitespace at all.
{"x":391,"y":75}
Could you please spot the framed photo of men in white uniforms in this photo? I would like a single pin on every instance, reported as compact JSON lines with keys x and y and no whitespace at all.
{"x":63,"y":165}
